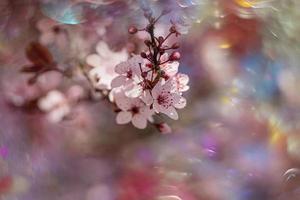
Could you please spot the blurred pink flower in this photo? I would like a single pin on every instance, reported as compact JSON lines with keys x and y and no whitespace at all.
{"x":52,"y":33}
{"x":180,"y":82}
{"x":103,"y":64}
{"x":56,"y":105}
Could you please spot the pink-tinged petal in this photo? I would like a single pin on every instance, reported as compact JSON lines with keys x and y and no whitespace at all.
{"x":183,"y":78}
{"x":123,"y":117}
{"x":156,"y":107}
{"x":156,"y":90}
{"x":47,"y":38}
{"x":168,"y":85}
{"x":147,"y":97}
{"x":175,"y":98}
{"x":146,"y":111}
{"x":181,"y":103}
{"x":103,"y":49}
{"x":136,"y":91}
{"x":171,"y":112}
{"x":123,"y":102}
{"x":122,"y":68}
{"x":118,"y":81}
{"x":164,"y":57}
{"x":93,"y":60}
{"x":171,"y":69}
{"x":139,"y":121}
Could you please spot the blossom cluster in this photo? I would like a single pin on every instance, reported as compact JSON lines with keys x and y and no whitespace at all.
{"x":149,"y":83}
{"x":139,"y":86}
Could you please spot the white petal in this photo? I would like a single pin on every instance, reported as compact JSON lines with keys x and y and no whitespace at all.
{"x":136,"y":91}
{"x":171,"y":69}
{"x":183,"y":78}
{"x":156,"y":90}
{"x":147,"y":97}
{"x":123,"y":102}
{"x":118,"y":81}
{"x":103,"y":49}
{"x":139,"y":121}
{"x":170,"y":111}
{"x":122,"y":68}
{"x":181,"y":104}
{"x":123,"y":117}
{"x":93,"y":60}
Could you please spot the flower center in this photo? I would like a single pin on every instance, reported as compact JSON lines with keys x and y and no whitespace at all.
{"x":135,"y":110}
{"x":162,"y":99}
{"x":129,"y":74}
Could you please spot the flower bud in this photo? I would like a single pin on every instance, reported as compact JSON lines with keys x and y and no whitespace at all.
{"x":160,"y":39}
{"x":173,"y":29}
{"x":143,"y":55}
{"x":132,"y":30}
{"x":164,"y":128}
{"x":147,"y":43}
{"x":175,"y":56}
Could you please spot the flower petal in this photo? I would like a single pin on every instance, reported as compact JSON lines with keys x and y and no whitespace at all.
{"x":147,"y":97}
{"x":171,"y":112}
{"x":123,"y":117}
{"x":181,"y":103}
{"x":171,"y":69}
{"x":94,"y":60}
{"x":122,"y":68}
{"x":118,"y":81}
{"x":139,"y":121}
{"x":103,"y":49}
{"x":134,"y":92}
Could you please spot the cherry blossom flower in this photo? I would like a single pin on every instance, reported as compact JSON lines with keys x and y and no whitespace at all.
{"x":180,"y":82}
{"x":103,"y":64}
{"x":170,"y":68}
{"x":56,"y":105}
{"x":52,"y":33}
{"x":127,"y":71}
{"x":166,"y":101}
{"x":133,"y":110}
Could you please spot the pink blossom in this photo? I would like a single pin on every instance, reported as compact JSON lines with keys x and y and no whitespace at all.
{"x":180,"y":82}
{"x":133,"y":110}
{"x":103,"y":64}
{"x":56,"y":105}
{"x":52,"y":33}
{"x":170,"y":68}
{"x":130,"y":77}
{"x":165,"y":101}
{"x":127,"y":71}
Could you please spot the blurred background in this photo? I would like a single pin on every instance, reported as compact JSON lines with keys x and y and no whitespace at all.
{"x":237,"y":139}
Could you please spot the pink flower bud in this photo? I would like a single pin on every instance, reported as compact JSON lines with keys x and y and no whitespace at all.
{"x":164,"y":128}
{"x":132,"y":30}
{"x":173,"y":29}
{"x":147,"y":43}
{"x":143,"y":55}
{"x":175,"y":56}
